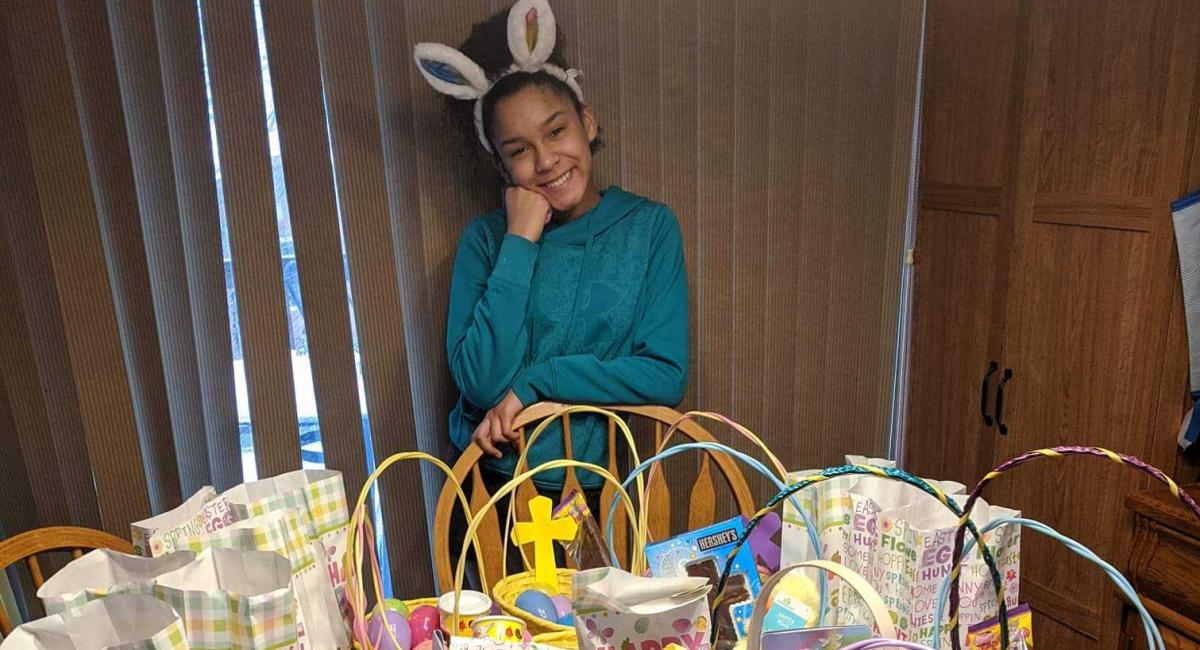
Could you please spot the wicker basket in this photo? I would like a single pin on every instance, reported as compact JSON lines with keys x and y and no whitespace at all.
{"x":567,"y":640}
{"x":506,"y":590}
{"x":417,"y":602}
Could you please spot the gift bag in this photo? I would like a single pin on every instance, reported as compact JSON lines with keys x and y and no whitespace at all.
{"x":203,"y":513}
{"x":104,"y":572}
{"x":905,"y":553}
{"x":829,"y":506}
{"x":233,"y":600}
{"x":832,"y":508}
{"x":319,"y":623}
{"x":120,"y":622}
{"x":318,"y":496}
{"x":616,"y":610}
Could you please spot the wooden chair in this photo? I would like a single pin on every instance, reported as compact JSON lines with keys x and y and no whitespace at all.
{"x":28,"y":545}
{"x":702,"y":505}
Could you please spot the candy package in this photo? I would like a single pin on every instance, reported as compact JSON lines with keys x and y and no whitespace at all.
{"x":986,"y":635}
{"x":586,"y":550}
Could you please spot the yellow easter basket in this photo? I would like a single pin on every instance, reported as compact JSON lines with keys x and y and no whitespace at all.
{"x":509,"y":587}
{"x":505,"y":591}
{"x":360,"y":545}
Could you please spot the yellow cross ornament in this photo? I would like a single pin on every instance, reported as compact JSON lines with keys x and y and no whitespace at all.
{"x":541,"y":532}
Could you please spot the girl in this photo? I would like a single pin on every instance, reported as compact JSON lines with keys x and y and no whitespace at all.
{"x":567,"y":293}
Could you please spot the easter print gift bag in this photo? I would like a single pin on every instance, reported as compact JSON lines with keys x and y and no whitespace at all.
{"x":616,"y":610}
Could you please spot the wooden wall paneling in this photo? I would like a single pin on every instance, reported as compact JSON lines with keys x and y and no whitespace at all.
{"x":969,"y":131}
{"x":957,"y":263}
{"x":1085,"y":323}
{"x":970,"y":64}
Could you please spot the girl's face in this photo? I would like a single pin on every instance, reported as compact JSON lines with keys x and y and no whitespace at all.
{"x":544,"y":146}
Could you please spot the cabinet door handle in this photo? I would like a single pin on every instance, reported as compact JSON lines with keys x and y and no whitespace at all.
{"x":1008,"y":374}
{"x":983,"y":393}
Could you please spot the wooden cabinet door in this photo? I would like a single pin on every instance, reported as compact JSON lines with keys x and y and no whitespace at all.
{"x":963,"y":231}
{"x":1103,"y":126}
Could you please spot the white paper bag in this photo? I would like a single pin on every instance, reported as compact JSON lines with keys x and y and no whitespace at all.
{"x":616,"y":610}
{"x":233,"y":600}
{"x":319,"y":622}
{"x":120,"y":622}
{"x":202,"y":513}
{"x":318,"y":497}
{"x":105,"y":572}
{"x":905,"y":553}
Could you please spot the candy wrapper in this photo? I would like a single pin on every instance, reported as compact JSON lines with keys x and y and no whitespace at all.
{"x":986,"y":635}
{"x":586,"y":550}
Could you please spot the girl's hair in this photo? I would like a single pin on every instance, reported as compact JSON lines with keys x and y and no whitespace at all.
{"x":488,"y":46}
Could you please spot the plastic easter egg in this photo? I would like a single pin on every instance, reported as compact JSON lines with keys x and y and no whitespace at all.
{"x":378,"y":637}
{"x":424,"y":645}
{"x":423,"y":620}
{"x":562,"y":607}
{"x":537,"y":603}
{"x":396,"y":605}
{"x":544,"y":588}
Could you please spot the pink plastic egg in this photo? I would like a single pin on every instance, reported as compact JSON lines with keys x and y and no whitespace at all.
{"x":423,"y":621}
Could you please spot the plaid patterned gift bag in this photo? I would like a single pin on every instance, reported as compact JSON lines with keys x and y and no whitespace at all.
{"x":118,"y":622}
{"x":203,"y":512}
{"x":233,"y":600}
{"x":319,"y":622}
{"x":319,"y":499}
{"x":318,"y":494}
{"x":104,"y":572}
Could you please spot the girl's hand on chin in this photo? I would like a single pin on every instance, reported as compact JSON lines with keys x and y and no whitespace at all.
{"x":528,"y":212}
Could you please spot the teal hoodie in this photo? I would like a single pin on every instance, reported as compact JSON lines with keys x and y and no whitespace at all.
{"x":596,"y":312}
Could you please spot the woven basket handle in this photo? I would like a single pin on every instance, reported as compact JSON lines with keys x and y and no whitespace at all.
{"x":639,"y":560}
{"x":879,"y":611}
{"x":511,"y":517}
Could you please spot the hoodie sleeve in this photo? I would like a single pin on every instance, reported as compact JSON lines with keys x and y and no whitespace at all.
{"x":657,"y":370}
{"x":486,"y":336}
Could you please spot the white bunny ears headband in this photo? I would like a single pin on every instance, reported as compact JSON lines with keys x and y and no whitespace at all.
{"x":531,"y":34}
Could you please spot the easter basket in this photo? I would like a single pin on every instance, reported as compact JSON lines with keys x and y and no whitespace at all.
{"x":506,"y":590}
{"x":360,"y":545}
{"x":887,"y":473}
{"x":1003,"y":635}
